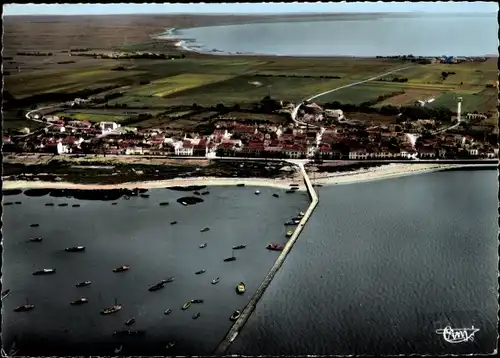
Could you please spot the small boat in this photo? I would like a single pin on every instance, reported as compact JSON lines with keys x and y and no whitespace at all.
{"x":200,"y":272}
{"x":83,"y":284}
{"x":170,"y":345}
{"x":240,"y":289}
{"x":145,"y":196}
{"x":236,"y":314}
{"x":44,"y":272}
{"x":289,"y":233}
{"x":196,"y":315}
{"x":164,"y":204}
{"x":5,"y":293}
{"x":290,"y":191}
{"x":18,"y":203}
{"x":24,"y":308}
{"x":114,"y":203}
{"x":121,"y":268}
{"x":167,"y":312}
{"x":215,"y":281}
{"x":318,"y":185}
{"x":205,"y":193}
{"x":290,"y":222}
{"x":275,"y":247}
{"x":7,"y":203}
{"x":196,"y":193}
{"x":49,"y":204}
{"x":118,"y":349}
{"x":232,"y":258}
{"x":115,"y":308}
{"x":257,"y":192}
{"x":168,"y":280}
{"x":197,"y":301}
{"x":173,"y":223}
{"x":205,"y":229}
{"x":35,"y":225}
{"x":76,"y":205}
{"x":156,"y":287}
{"x":184,"y":203}
{"x":295,"y":188}
{"x":130,"y":321}
{"x":295,"y":185}
{"x":186,"y":305}
{"x":79,"y":301}
{"x":202,"y":246}
{"x":302,"y":213}
{"x":240,"y":185}
{"x":36,"y":239}
{"x":63,"y":204}
{"x":75,"y":249}
{"x":276,"y":195}
{"x":239,"y":247}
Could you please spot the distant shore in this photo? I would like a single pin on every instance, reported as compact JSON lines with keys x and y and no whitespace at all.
{"x":324,"y":178}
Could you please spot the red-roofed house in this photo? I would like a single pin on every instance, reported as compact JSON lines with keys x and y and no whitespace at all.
{"x":294,"y":151}
{"x":184,"y":148}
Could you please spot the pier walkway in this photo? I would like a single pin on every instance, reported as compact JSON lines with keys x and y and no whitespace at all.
{"x":245,"y":314}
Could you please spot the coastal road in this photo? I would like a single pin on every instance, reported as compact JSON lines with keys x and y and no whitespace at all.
{"x":296,"y":109}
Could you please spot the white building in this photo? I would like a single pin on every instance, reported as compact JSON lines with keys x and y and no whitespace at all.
{"x":183,"y":149}
{"x":108,"y":126}
{"x":337,"y":114}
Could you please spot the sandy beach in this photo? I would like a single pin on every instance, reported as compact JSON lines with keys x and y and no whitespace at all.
{"x":356,"y":176}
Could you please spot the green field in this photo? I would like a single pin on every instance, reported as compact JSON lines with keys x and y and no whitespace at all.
{"x":209,"y":80}
{"x":93,"y":117}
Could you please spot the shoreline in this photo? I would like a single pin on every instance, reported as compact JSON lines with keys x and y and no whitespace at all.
{"x":327,"y":179}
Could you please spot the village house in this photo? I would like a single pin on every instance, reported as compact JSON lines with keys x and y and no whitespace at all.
{"x":358,"y":153}
{"x":294,"y":151}
{"x":335,"y":114}
{"x":108,"y":126}
{"x":184,"y":148}
{"x":426,"y":152}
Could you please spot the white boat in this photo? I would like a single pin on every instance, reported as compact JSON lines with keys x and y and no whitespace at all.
{"x":257,"y":192}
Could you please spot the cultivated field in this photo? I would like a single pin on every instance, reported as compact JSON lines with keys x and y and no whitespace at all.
{"x":92,"y":117}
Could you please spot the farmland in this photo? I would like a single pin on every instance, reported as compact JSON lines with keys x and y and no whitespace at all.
{"x":93,"y":117}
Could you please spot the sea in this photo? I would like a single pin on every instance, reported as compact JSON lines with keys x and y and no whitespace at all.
{"x":380,"y":267}
{"x":419,"y":34}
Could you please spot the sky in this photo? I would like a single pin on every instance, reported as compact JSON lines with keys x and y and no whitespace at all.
{"x":202,"y":8}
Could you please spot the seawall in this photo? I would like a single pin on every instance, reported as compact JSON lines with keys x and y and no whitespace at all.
{"x":247,"y":311}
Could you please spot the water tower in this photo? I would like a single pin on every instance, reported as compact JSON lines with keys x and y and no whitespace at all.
{"x":459,"y":108}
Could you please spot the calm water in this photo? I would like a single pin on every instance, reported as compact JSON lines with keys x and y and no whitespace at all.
{"x":381,"y":266}
{"x":434,"y":35}
{"x":136,"y":232}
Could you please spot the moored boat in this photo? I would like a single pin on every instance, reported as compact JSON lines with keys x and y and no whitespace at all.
{"x":115,"y":308}
{"x":170,"y":345}
{"x":276,"y":195}
{"x":168,"y":280}
{"x":275,"y":247}
{"x":205,"y":229}
{"x":167,"y":312}
{"x":215,"y":281}
{"x":145,"y":196}
{"x":229,"y":259}
{"x":197,"y":301}
{"x":24,"y":308}
{"x":184,"y":203}
{"x":35,"y":225}
{"x":36,"y":239}
{"x":76,"y":205}
{"x":121,"y":268}
{"x":302,"y":213}
{"x":83,"y":284}
{"x":5,"y":293}
{"x":118,"y":349}
{"x":236,"y":314}
{"x":130,"y":321}
{"x":290,"y":222}
{"x":79,"y":301}
{"x":200,"y":272}
{"x":202,"y":246}
{"x":196,"y":315}
{"x":240,"y":185}
{"x":257,"y":192}
{"x":239,"y":247}
{"x":196,"y":193}
{"x":44,"y":272}
{"x":240,"y":289}
{"x":164,"y":204}
{"x":173,"y":223}
{"x":156,"y":287}
{"x":63,"y":204}
{"x":75,"y":249}
{"x":290,"y":191}
{"x":289,"y":233}
{"x":186,"y":305}
{"x":49,"y":204}
{"x":294,"y":185}
{"x":205,"y":193}
{"x":18,"y":203}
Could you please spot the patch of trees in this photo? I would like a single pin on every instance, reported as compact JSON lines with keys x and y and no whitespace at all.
{"x":118,"y":68}
{"x":144,"y":82}
{"x":381,"y":99}
{"x":296,"y":76}
{"x":36,"y":53}
{"x":444,"y":74}
{"x":65,"y":62}
{"x":80,"y":49}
